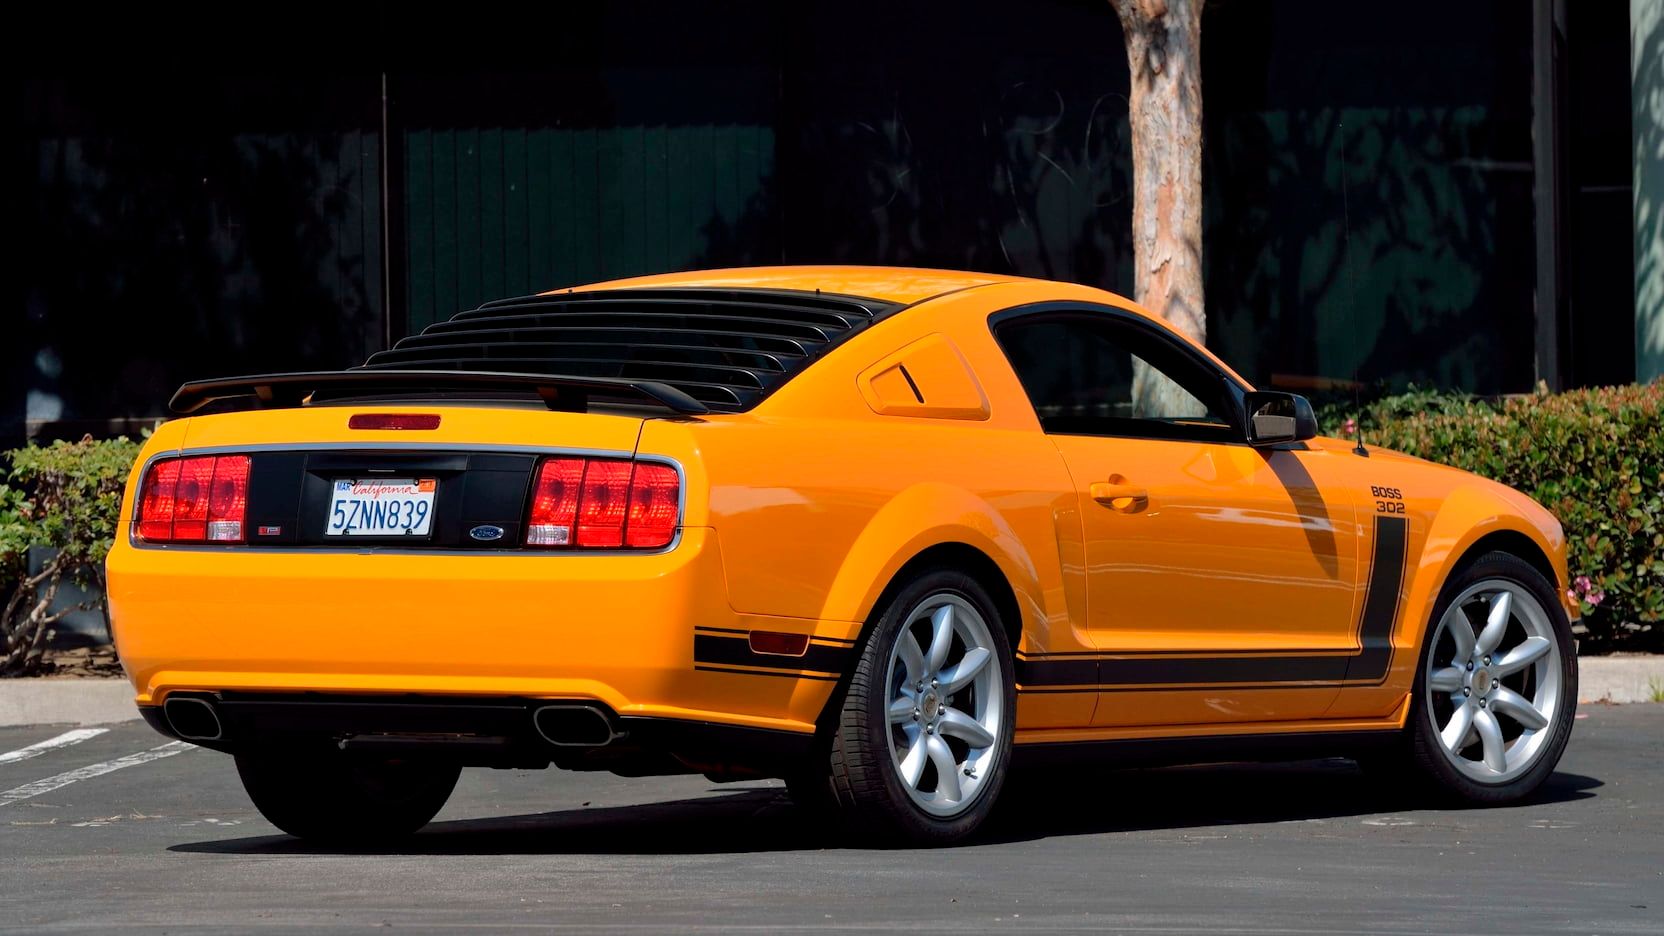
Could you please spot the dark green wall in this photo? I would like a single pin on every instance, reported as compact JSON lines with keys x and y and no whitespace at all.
{"x":494,"y":212}
{"x":1368,"y":173}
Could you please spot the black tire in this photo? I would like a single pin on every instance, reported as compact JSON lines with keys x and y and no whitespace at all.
{"x":859,"y":773}
{"x":332,"y":799}
{"x":1420,"y":757}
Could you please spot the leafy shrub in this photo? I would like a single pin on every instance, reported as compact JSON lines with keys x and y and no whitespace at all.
{"x":67,"y":497}
{"x":1592,"y":457}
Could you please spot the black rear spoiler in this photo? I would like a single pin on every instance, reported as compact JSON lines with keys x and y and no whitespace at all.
{"x":559,"y":392}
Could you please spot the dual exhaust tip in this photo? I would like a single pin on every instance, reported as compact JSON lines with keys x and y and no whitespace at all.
{"x":562,"y":725}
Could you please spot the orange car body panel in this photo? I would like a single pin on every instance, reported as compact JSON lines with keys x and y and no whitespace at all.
{"x":800,"y":512}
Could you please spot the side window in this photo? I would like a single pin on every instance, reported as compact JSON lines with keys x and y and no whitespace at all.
{"x":1096,"y":375}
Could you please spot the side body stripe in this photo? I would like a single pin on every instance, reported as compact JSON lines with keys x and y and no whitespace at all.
{"x":729,"y":651}
{"x":1210,"y":670}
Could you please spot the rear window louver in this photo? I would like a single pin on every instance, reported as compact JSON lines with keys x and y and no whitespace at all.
{"x":727,"y":348}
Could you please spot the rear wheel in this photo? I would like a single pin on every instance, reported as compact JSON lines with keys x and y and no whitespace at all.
{"x":923,"y":739}
{"x":1496,"y":690}
{"x":334,"y":799}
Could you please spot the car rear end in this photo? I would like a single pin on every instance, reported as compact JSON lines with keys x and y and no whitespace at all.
{"x":494,"y":575}
{"x":442,"y":561}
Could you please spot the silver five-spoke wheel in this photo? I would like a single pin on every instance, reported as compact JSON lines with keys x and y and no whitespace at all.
{"x":946,"y":704}
{"x":1493,"y":681}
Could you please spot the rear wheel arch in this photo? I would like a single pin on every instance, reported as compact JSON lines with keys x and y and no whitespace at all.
{"x":951,"y":555}
{"x":960,"y":557}
{"x":927,"y":517}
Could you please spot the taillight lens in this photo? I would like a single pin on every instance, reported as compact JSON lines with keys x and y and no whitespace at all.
{"x":555,"y":502}
{"x":201,"y":499}
{"x":156,"y":501}
{"x":655,"y":505}
{"x":604,"y":503}
{"x":228,"y":499}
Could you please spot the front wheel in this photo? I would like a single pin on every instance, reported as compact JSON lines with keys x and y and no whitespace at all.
{"x":1496,"y":691}
{"x":326,"y":798}
{"x":923,"y":740}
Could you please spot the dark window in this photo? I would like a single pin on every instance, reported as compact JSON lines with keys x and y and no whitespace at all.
{"x":1092,"y":374}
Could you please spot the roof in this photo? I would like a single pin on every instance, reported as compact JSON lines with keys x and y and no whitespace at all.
{"x":902,"y":285}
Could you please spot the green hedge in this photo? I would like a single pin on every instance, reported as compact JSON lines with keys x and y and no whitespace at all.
{"x":1592,"y":457}
{"x":65,"y":496}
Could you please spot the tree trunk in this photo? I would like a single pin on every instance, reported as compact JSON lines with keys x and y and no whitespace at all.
{"x":1164,"y":45}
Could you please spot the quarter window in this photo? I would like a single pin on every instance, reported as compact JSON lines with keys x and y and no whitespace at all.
{"x":1095,"y":374}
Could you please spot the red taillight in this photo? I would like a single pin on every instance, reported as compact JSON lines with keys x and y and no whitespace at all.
{"x":393,"y":421}
{"x":199,"y":499}
{"x":555,"y":502}
{"x":156,"y":501}
{"x":655,"y":505}
{"x":604,"y":503}
{"x":228,"y":499}
{"x":190,"y":499}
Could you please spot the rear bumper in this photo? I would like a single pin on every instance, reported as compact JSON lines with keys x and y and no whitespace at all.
{"x":497,"y":731}
{"x":615,"y":629}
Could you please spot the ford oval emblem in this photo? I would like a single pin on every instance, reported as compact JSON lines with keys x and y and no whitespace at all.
{"x":485,"y":532}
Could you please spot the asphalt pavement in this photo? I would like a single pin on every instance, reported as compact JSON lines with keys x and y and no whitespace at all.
{"x":119,"y":830}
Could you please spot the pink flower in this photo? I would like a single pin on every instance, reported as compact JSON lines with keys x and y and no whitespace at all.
{"x":1582,"y":583}
{"x":1595,"y":598}
{"x":1350,"y":427}
{"x":1571,"y":596}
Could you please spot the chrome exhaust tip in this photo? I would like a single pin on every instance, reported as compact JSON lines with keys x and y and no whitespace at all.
{"x":193,"y":719}
{"x":575,"y":725}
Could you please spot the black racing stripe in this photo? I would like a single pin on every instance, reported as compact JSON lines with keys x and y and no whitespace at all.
{"x":1234,"y":687}
{"x":834,"y":641}
{"x":1223,"y":670}
{"x":1070,"y":672}
{"x":1141,"y":654}
{"x":727,"y":650}
{"x":1381,"y":600}
{"x":1160,"y":670}
{"x":745,"y":672}
{"x":1096,"y":690}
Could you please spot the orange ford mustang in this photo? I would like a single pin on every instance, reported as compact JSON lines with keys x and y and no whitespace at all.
{"x":880,"y":532}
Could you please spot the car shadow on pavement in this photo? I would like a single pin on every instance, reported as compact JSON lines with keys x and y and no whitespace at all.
{"x":1036,"y":805}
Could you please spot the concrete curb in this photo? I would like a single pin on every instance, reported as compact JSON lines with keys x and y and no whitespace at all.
{"x":65,"y":700}
{"x":73,"y":701}
{"x":1620,"y":679}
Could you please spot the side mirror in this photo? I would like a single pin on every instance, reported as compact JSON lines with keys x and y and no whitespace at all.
{"x":1274,"y":418}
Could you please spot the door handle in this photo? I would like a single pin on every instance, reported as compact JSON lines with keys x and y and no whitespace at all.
{"x":1119,"y":496}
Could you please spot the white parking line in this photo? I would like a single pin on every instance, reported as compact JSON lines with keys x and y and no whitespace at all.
{"x":27,"y":790}
{"x":51,"y":744}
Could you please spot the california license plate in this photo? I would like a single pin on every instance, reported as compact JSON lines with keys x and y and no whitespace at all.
{"x":381,"y":507}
